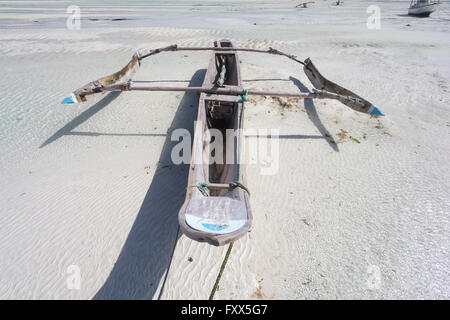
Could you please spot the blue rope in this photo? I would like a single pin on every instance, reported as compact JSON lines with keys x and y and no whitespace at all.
{"x":221,"y":81}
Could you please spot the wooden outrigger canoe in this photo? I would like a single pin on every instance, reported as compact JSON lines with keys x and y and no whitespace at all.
{"x":217,"y":209}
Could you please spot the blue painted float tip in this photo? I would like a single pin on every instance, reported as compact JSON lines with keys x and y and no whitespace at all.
{"x":69,"y":99}
{"x":376,"y":111}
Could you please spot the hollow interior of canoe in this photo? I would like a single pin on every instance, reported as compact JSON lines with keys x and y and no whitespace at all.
{"x":221,"y":115}
{"x":231,"y":75}
{"x":226,"y":44}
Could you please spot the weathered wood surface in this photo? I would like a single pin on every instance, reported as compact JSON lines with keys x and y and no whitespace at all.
{"x":328,"y":89}
{"x":222,"y":174}
{"x":342,"y":94}
{"x":223,"y":49}
{"x":122,"y":76}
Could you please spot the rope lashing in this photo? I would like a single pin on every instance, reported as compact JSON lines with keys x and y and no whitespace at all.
{"x":221,"y":80}
{"x":237,"y":184}
{"x":242,"y":99}
{"x":202,"y":187}
{"x":244,"y":96}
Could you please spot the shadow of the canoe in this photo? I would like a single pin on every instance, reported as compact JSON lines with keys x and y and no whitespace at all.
{"x":311,"y":111}
{"x":148,"y":250}
{"x":84,"y":116}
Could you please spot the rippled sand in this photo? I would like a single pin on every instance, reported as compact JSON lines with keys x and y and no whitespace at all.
{"x":92,"y":185}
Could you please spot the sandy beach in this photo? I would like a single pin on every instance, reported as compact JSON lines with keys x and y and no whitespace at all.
{"x":358,"y":209}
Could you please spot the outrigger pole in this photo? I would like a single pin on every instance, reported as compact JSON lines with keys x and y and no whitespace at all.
{"x":316,"y":94}
{"x":324,"y":88}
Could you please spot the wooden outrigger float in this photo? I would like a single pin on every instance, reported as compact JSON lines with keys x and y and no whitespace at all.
{"x":217,"y":209}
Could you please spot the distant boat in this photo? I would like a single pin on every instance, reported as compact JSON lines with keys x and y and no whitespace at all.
{"x":422,"y":8}
{"x":303,"y":5}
